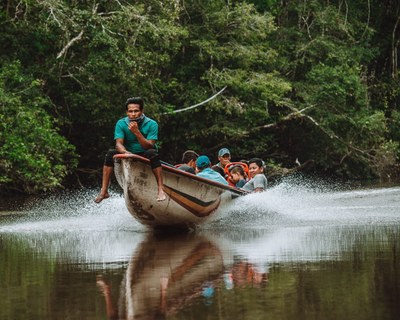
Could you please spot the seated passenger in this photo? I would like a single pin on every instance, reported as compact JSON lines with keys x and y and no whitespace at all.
{"x":258,"y":181}
{"x":189,"y":158}
{"x":224,"y":157}
{"x":238,"y":176}
{"x":203,"y":169}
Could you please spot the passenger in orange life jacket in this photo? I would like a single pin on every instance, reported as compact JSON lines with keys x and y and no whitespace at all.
{"x":238,"y":177}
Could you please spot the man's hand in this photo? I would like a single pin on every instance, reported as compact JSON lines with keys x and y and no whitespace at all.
{"x":133,"y":127}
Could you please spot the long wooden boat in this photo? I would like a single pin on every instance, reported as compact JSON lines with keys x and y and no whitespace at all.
{"x":191,"y":200}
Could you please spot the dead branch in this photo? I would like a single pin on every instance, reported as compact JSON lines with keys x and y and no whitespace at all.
{"x":54,"y":17}
{"x":394,"y":50}
{"x":368,"y":19}
{"x":69,"y":44}
{"x":308,"y":27}
{"x":300,"y":114}
{"x":198,"y":104}
{"x":332,"y":136}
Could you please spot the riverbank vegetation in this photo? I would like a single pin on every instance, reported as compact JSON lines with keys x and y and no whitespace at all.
{"x":300,"y":82}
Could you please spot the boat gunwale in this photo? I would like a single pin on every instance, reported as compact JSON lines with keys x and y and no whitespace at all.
{"x":173,"y":169}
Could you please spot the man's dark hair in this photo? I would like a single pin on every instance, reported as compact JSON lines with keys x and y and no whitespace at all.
{"x":259,"y":162}
{"x":237,"y":169}
{"x":135,"y":100}
{"x":189,"y":155}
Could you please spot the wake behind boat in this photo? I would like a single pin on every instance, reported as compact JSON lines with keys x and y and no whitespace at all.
{"x":191,"y":200}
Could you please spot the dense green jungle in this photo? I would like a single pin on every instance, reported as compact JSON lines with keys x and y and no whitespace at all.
{"x":310,"y":85}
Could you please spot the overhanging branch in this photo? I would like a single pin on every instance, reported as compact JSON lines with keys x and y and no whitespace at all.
{"x":198,"y":104}
{"x":69,"y":44}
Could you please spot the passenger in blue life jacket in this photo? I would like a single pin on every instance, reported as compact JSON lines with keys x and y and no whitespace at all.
{"x":203,"y":169}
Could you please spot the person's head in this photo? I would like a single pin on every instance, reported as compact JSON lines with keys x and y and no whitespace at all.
{"x":237,"y":173}
{"x":135,"y":100}
{"x":202,"y":162}
{"x":224,"y":156}
{"x":256,"y":166}
{"x":189,"y":157}
{"x":134,"y":108}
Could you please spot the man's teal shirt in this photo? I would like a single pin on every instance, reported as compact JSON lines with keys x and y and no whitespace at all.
{"x":149,"y":129}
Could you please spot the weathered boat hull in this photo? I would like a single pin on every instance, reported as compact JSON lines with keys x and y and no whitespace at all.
{"x":191,"y":200}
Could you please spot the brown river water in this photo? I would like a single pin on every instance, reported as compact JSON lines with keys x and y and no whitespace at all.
{"x":293,"y":252}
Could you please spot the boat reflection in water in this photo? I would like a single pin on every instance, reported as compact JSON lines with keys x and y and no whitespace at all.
{"x":167,"y":273}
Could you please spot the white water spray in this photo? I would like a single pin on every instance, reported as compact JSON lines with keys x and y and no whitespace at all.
{"x":298,"y":202}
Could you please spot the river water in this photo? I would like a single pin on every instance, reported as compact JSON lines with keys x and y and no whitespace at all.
{"x":296,"y":251}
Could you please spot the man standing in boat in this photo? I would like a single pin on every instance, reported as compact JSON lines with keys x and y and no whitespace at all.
{"x":136,"y":134}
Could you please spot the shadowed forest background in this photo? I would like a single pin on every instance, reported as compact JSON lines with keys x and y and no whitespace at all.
{"x":311,"y":82}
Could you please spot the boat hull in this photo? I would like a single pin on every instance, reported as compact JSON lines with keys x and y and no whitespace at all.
{"x":191,"y":200}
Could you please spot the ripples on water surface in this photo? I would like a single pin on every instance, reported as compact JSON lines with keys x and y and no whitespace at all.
{"x":293,"y":252}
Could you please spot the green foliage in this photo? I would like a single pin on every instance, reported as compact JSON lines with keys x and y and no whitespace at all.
{"x":34,"y":156}
{"x":337,"y":86}
{"x":96,"y":55}
{"x":227,"y":46}
{"x":331,"y":60}
{"x":328,"y":51}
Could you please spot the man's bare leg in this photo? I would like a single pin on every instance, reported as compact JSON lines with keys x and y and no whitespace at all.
{"x":163,"y":298}
{"x":157,"y":173}
{"x":105,"y":182}
{"x":105,"y":290}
